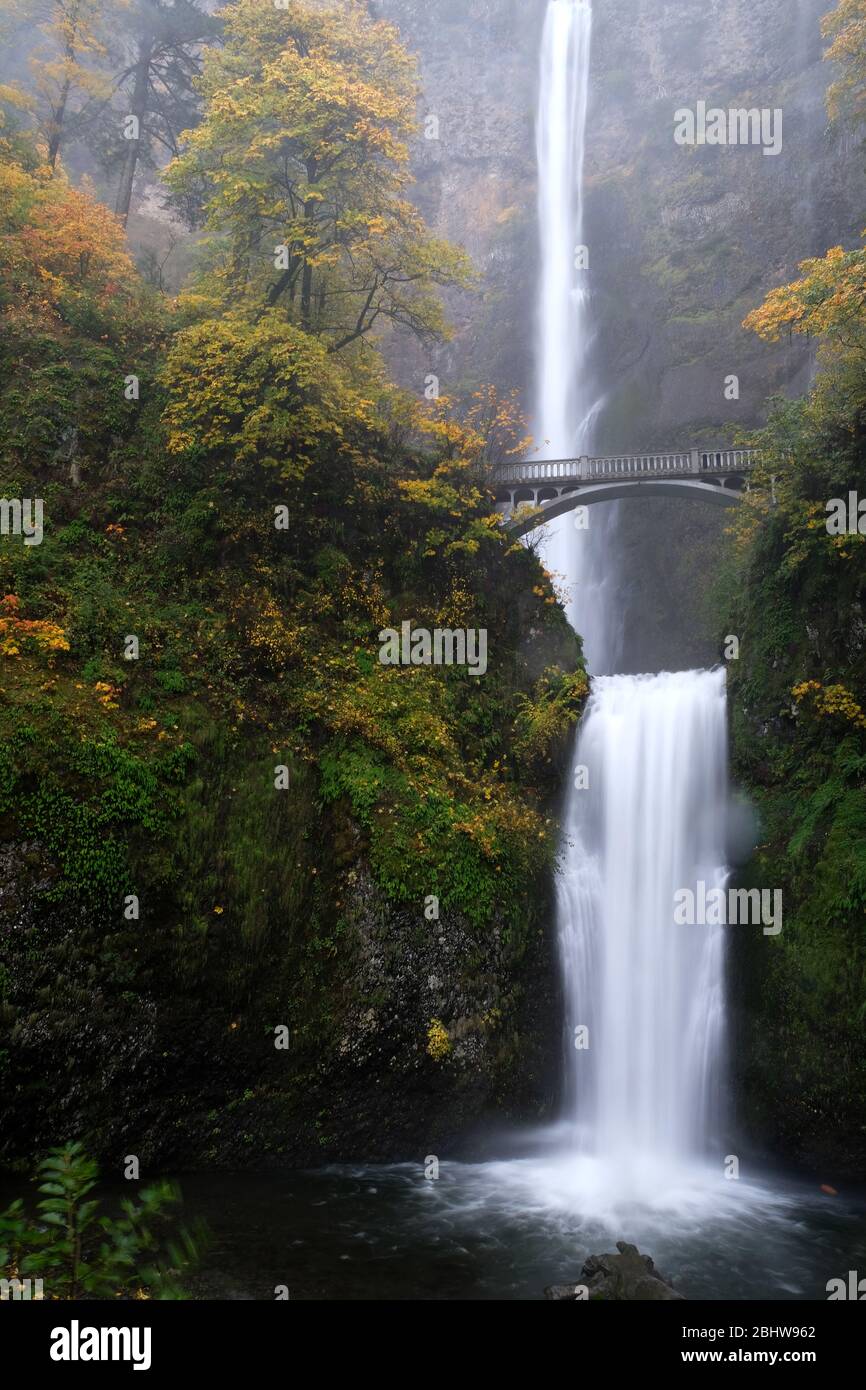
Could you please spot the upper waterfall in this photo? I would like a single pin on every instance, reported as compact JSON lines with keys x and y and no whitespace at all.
{"x":562,"y":401}
{"x":564,"y":406}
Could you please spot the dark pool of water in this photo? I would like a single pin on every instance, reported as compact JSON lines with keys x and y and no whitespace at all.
{"x":505,"y":1231}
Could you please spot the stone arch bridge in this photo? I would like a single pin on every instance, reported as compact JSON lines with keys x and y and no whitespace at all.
{"x":552,"y":487}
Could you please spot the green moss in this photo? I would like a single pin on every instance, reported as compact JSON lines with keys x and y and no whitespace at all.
{"x":794,"y":598}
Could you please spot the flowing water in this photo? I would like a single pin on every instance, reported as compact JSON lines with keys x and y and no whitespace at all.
{"x":506,"y":1230}
{"x":563,"y":407}
{"x":644,"y":1094}
{"x":646,"y":809}
{"x":566,"y":408}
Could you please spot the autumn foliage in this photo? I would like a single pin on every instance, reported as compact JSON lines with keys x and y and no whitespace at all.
{"x":19,"y":634}
{"x":826,"y":302}
{"x":845,"y":26}
{"x":63,"y":256}
{"x":300,"y":168}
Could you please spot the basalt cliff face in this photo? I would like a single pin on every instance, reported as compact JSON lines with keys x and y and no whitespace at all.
{"x":683,"y":240}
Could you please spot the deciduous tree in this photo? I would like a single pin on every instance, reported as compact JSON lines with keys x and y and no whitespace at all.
{"x":301,"y":162}
{"x":67,"y":63}
{"x":846,"y":27}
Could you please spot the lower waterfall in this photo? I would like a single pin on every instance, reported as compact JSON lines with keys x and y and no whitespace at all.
{"x":644,"y":819}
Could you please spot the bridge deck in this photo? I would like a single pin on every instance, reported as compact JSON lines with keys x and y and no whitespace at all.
{"x":553,"y":487}
{"x":684,"y":463}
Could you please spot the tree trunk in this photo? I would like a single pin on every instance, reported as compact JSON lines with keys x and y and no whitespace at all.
{"x":58,"y":116}
{"x":307,"y":297}
{"x":307,"y":277}
{"x":139,"y":110}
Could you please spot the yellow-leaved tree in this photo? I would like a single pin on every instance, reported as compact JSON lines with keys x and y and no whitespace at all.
{"x":67,"y":63}
{"x":300,"y":171}
{"x":828,"y":301}
{"x":846,"y":27}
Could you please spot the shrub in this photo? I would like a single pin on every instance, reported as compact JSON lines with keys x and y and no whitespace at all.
{"x":81,"y":1254}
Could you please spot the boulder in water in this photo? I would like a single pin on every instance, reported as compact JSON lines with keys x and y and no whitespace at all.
{"x":628,"y":1277}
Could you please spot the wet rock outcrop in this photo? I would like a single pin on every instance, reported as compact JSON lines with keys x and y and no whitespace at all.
{"x":627,"y":1277}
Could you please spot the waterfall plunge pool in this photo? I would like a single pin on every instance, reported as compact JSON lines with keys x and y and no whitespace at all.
{"x":505,"y":1230}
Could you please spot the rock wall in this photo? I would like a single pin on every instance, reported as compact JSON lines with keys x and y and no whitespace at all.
{"x":683,"y":241}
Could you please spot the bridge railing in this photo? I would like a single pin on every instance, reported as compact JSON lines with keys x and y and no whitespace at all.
{"x":625,"y":465}
{"x":683,"y":462}
{"x":729,"y":460}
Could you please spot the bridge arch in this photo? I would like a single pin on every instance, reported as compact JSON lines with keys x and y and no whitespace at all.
{"x":521,"y":525}
{"x":557,"y":486}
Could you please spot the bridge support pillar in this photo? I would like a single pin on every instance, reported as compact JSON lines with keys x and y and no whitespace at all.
{"x":696,"y":460}
{"x":583,"y":470}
